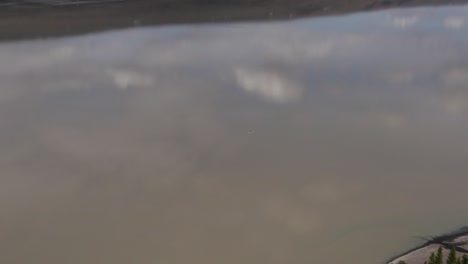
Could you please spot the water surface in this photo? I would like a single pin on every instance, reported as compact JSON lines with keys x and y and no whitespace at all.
{"x":309,"y":141}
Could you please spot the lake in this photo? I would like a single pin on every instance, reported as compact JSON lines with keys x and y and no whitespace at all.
{"x":320,"y":140}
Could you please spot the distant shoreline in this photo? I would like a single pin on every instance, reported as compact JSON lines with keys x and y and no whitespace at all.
{"x":437,"y":241}
{"x":19,"y":20}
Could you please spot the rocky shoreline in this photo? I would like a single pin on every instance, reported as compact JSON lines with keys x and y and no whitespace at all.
{"x":418,"y":255}
{"x":21,"y":19}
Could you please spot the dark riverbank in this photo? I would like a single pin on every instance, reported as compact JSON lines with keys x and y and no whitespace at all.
{"x":457,"y":239}
{"x":47,"y":18}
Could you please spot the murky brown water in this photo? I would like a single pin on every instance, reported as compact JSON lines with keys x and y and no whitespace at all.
{"x":311,"y":141}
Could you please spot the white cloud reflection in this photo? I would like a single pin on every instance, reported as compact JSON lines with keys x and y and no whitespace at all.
{"x":454,"y":22}
{"x":125,"y":79}
{"x":268,"y":85}
{"x":405,"y":21}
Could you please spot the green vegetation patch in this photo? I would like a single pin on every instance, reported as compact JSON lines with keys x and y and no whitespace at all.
{"x":438,"y":258}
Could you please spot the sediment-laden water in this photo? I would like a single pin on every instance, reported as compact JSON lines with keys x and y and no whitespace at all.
{"x":310,"y":141}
